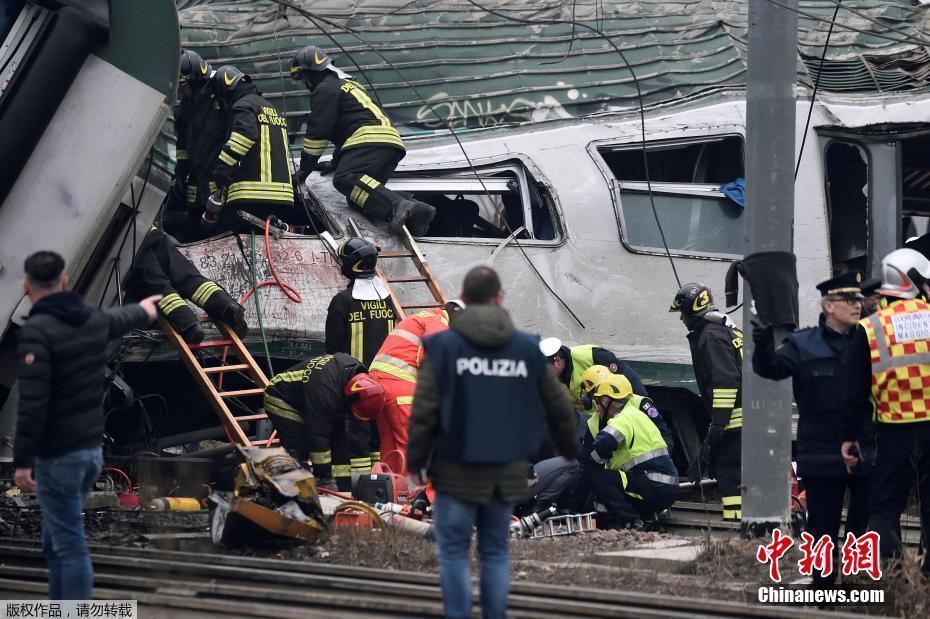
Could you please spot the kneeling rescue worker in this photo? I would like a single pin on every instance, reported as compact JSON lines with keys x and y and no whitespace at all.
{"x":717,"y":355}
{"x":625,"y":460}
{"x":368,"y":147}
{"x":309,"y":406}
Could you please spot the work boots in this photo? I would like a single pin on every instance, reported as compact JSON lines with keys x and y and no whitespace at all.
{"x":415,"y":214}
{"x":220,"y":306}
{"x":182,"y":318}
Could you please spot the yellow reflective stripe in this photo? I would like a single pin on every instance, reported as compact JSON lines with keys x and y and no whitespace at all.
{"x":235,"y":136}
{"x":321,"y":457}
{"x":361,"y":464}
{"x":362,"y":97}
{"x":170,"y":303}
{"x":287,"y":145}
{"x":181,"y":155}
{"x":405,"y":399}
{"x":227,"y":158}
{"x":370,"y":181}
{"x":204,"y":292}
{"x":265,"y":144}
{"x":407,"y":335}
{"x":393,"y":371}
{"x":236,"y":147}
{"x":725,"y":391}
{"x":260,"y":185}
{"x":375,"y":456}
{"x":342,"y":470}
{"x":356,"y":341}
{"x":729,"y":501}
{"x":373,"y":135}
{"x":314,"y":147}
{"x":280,"y":408}
{"x":723,"y":404}
{"x":395,"y":367}
{"x":732,"y":514}
{"x":297,"y":376}
{"x":168,"y":298}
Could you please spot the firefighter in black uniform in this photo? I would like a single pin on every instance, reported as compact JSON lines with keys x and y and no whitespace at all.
{"x":815,"y":358}
{"x":310,"y":405}
{"x":200,"y":128}
{"x":362,"y":315}
{"x":253,"y":167}
{"x":888,"y":378}
{"x":717,"y":355}
{"x":368,"y":147}
{"x":160,"y":268}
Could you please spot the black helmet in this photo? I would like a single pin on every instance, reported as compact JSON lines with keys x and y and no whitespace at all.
{"x":193,"y":69}
{"x":693,"y":300}
{"x":310,"y":58}
{"x":358,"y":258}
{"x":225,"y":80}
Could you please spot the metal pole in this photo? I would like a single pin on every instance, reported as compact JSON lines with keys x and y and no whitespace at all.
{"x":770,"y":128}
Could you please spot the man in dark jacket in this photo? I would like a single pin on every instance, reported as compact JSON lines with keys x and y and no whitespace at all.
{"x":570,"y":363}
{"x":62,"y":357}
{"x":815,"y":358}
{"x":717,"y":356}
{"x":483,"y":401}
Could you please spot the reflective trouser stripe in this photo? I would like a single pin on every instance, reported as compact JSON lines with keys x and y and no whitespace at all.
{"x":360,"y":464}
{"x":375,"y":456}
{"x":170,"y":302}
{"x":342,"y":470}
{"x":279,"y":408}
{"x":321,"y":457}
{"x":736,"y":419}
{"x":732,"y":507}
{"x":204,"y":292}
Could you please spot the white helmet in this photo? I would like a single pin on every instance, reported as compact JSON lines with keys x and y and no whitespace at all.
{"x":550,"y":345}
{"x":904,"y":271}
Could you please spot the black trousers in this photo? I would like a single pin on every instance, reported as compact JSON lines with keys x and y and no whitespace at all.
{"x":825,"y":496}
{"x":726,"y":461}
{"x":624,"y":508}
{"x":900,"y":449}
{"x":294,"y":438}
{"x":377,"y":162}
{"x":230,"y":220}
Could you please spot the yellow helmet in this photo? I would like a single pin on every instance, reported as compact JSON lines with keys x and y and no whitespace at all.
{"x":592,"y":376}
{"x":615,"y":386}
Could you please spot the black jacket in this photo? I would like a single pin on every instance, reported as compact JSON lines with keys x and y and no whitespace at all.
{"x":815,"y":358}
{"x":200,"y":127}
{"x":62,"y":357}
{"x":717,"y":355}
{"x":491,"y":327}
{"x":358,"y":328}
{"x":344,"y":114}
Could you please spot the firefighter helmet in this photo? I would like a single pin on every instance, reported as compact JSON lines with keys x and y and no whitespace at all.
{"x":615,"y":387}
{"x":594,"y":375}
{"x":358,"y":258}
{"x":364,"y":396}
{"x":310,"y":58}
{"x":904,"y":271}
{"x":193,"y":69}
{"x":693,"y":300}
{"x":226,"y":78}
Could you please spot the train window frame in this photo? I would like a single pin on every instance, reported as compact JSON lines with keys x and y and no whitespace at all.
{"x":439,"y":178}
{"x":677,"y":189}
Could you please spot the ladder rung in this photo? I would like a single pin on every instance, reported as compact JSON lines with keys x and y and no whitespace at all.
{"x":210,"y":344}
{"x":241,"y":392}
{"x":407,"y":278}
{"x":226,"y":368}
{"x":395,"y":254}
{"x":421,"y":305}
{"x":251,"y":417}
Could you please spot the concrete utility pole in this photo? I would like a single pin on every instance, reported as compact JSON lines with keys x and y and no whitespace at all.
{"x":770,"y":127}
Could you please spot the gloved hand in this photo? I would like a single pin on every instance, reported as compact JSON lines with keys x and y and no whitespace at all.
{"x":762,"y":335}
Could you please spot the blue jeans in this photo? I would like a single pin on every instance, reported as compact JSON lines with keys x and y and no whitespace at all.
{"x":454,"y":520}
{"x":63,"y":484}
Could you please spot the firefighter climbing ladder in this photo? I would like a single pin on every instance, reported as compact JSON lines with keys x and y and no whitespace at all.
{"x":245,"y":366}
{"x":419,"y":262}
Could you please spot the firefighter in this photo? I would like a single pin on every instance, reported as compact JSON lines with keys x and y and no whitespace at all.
{"x":717,"y":355}
{"x":570,"y":363}
{"x":887,"y":377}
{"x":309,"y":405}
{"x":367,"y":146}
{"x":200,"y":128}
{"x":362,"y":315}
{"x":160,"y":268}
{"x":815,"y":359}
{"x":253,"y":167}
{"x":624,"y":459}
{"x":395,"y":367}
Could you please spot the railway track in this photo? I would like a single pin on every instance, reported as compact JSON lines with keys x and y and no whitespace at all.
{"x":170,"y":583}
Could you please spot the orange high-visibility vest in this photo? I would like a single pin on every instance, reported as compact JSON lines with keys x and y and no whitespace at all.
{"x":402,"y":349}
{"x":899,"y":345}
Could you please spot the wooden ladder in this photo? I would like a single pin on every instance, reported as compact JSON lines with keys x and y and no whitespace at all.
{"x":425,"y":274}
{"x":245,"y":366}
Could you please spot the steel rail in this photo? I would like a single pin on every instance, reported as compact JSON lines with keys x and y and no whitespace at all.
{"x":272,"y":582}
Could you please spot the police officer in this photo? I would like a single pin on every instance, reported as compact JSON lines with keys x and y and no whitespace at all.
{"x":570,"y":363}
{"x":368,"y":147}
{"x":888,"y":376}
{"x":483,"y":401}
{"x":309,"y":406}
{"x":200,"y":129}
{"x":362,"y":315}
{"x":816,"y":360}
{"x":253,"y":167}
{"x":717,"y":355}
{"x":624,"y":459}
{"x":160,"y":268}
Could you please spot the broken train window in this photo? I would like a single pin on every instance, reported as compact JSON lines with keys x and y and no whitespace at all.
{"x":506,"y":199}
{"x":686,"y":177}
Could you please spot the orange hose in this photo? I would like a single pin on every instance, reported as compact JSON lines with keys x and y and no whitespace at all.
{"x":289,"y":291}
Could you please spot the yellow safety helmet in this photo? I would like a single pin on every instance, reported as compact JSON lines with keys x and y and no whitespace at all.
{"x":592,"y":376}
{"x":615,"y":386}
